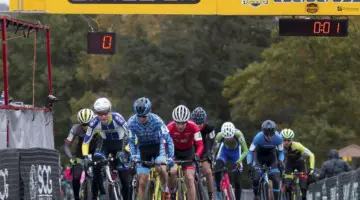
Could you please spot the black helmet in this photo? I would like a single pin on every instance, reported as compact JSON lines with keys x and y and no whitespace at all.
{"x":268,"y":127}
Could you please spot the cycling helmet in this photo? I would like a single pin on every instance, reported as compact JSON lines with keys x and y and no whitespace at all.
{"x":268,"y":127}
{"x":198,"y":115}
{"x":85,"y":115}
{"x":142,"y":106}
{"x":102,"y":105}
{"x":181,"y":114}
{"x":287,"y":134}
{"x":228,"y":130}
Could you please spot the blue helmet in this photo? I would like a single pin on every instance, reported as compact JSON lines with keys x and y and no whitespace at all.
{"x":142,"y":106}
{"x":198,"y":115}
{"x":268,"y":127}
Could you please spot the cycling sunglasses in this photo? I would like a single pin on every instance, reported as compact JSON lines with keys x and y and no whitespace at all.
{"x":142,"y":116}
{"x":102,"y":113}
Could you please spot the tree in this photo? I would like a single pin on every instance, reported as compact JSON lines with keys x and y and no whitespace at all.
{"x":302,"y":83}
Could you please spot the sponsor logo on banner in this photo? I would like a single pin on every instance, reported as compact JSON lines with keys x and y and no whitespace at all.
{"x":255,"y":3}
{"x":4,"y":176}
{"x":41,"y":187}
{"x":312,"y":8}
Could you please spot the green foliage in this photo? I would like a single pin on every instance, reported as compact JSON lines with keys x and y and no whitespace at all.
{"x":308,"y":84}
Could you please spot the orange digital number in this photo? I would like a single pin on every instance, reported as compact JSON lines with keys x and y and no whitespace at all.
{"x":107,"y":42}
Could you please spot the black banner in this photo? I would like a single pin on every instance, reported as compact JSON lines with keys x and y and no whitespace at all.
{"x":9,"y":174}
{"x":344,"y":187}
{"x":29,"y":174}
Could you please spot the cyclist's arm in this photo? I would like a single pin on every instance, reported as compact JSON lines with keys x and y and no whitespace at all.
{"x":280,"y":149}
{"x":86,"y":143}
{"x":132,"y":145}
{"x":168,"y":140}
{"x":244,"y":147}
{"x":68,"y":141}
{"x":305,"y":151}
{"x":251,"y":151}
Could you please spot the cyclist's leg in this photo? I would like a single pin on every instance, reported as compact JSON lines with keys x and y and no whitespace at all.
{"x":219,"y":164}
{"x":189,"y":175}
{"x":126,"y":179}
{"x":147,"y":152}
{"x":258,"y":161}
{"x":288,"y":180}
{"x":206,"y":170}
{"x":162,"y":172}
{"x":76,"y":175}
{"x":234,"y":156}
{"x":274,"y":175}
{"x":98,"y":180}
{"x":300,"y":165}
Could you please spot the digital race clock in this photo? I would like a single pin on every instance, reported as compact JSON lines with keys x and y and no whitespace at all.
{"x":313,"y":27}
{"x":135,"y":1}
{"x":101,"y":43}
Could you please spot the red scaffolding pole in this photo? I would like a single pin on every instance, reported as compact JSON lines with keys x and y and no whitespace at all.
{"x":5,"y":22}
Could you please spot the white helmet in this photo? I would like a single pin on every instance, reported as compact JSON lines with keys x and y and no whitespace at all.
{"x":181,"y":114}
{"x":102,"y":105}
{"x":85,"y":115}
{"x":228,"y":130}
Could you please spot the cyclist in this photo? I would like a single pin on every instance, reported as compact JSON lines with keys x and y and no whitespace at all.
{"x":113,"y":132}
{"x":294,"y":152}
{"x":263,"y":152}
{"x":232,"y":142}
{"x":185,"y":134}
{"x":198,"y":115}
{"x":149,"y":130}
{"x":78,"y":131}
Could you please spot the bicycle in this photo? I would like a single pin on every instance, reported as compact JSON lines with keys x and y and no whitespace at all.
{"x":113,"y":182}
{"x":265,"y":185}
{"x":227,"y":189}
{"x":85,"y":188}
{"x":181,"y":189}
{"x":295,"y":192}
{"x":152,"y":188}
{"x":201,"y":193}
{"x":134,"y":186}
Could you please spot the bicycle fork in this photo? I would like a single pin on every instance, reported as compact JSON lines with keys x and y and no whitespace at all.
{"x":111,"y":181}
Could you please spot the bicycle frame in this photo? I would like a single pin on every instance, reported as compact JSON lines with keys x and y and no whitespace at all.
{"x":265,"y":181}
{"x":295,"y":183}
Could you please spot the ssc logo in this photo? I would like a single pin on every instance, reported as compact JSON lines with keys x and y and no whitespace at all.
{"x":255,"y":3}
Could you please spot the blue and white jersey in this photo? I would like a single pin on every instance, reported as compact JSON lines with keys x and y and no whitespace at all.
{"x":114,"y":130}
{"x":263,"y":147}
{"x":154,"y":131}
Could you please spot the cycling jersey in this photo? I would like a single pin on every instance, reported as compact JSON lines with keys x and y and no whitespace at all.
{"x":186,"y":139}
{"x":296,"y":151}
{"x":152,"y":132}
{"x":264,"y":147}
{"x":113,"y":130}
{"x":78,"y":131}
{"x":237,"y":143}
{"x":208,"y":135}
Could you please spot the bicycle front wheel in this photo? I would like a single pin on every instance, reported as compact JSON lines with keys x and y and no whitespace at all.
{"x":180,"y":193}
{"x":200,"y":191}
{"x":85,"y":190}
{"x":114,"y":190}
{"x":231,"y":192}
{"x":149,"y":190}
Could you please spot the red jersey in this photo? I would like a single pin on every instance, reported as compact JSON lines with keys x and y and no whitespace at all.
{"x":187,"y":138}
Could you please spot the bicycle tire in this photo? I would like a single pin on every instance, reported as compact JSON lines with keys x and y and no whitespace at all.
{"x":85,"y":190}
{"x":149,"y":190}
{"x":231,"y":192}
{"x":297,"y":192}
{"x":179,"y":190}
{"x":114,"y":190}
{"x":133,"y":190}
{"x":200,"y":191}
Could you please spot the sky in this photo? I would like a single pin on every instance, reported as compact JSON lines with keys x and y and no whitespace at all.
{"x":4,"y":1}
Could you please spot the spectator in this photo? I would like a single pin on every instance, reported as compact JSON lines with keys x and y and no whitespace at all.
{"x":333,"y":166}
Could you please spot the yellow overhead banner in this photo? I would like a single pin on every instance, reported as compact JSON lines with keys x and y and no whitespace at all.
{"x":196,"y":7}
{"x":288,"y":7}
{"x":191,"y":7}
